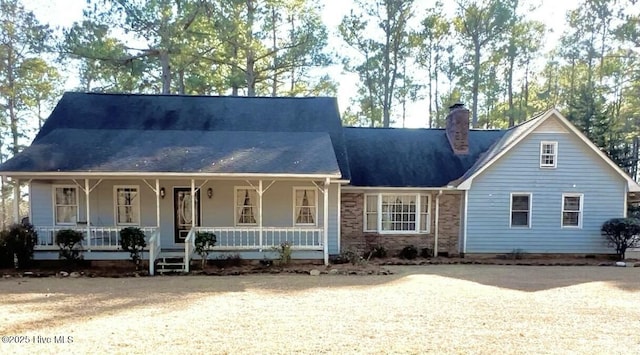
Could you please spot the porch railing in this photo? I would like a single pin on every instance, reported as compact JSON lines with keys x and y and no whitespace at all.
{"x":100,"y":238}
{"x":238,"y":238}
{"x":155,"y":247}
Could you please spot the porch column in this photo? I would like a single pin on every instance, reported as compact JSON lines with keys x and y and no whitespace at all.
{"x":193,"y":203}
{"x":158,"y":203}
{"x":325,"y":236}
{"x":87,"y":191}
{"x":16,"y":201}
{"x":260,"y":212}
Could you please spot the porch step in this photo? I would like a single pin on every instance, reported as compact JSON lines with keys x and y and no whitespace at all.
{"x":170,"y":262}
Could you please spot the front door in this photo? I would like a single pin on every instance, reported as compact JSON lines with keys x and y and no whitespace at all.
{"x":182,"y":212}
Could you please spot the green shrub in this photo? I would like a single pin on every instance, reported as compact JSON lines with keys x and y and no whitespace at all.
{"x":205,"y":241}
{"x":622,"y":234}
{"x":6,"y":256}
{"x":20,"y":240}
{"x":70,"y":243}
{"x":426,"y":252}
{"x":376,"y":251}
{"x":409,"y":252}
{"x":353,"y":257}
{"x":132,"y":239}
{"x":284,"y":253}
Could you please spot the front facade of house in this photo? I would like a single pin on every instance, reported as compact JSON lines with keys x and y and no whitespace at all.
{"x":261,"y":172}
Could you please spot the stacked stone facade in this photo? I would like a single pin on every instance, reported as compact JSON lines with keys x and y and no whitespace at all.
{"x":353,"y":236}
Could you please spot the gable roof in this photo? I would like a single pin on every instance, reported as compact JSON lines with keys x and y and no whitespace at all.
{"x":519,"y":132}
{"x":397,"y":157}
{"x":89,"y":132}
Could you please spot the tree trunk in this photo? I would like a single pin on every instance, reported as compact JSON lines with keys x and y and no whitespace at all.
{"x":250,"y":75}
{"x":512,"y":59}
{"x":163,"y":55}
{"x":476,"y":84}
{"x":274,"y":47}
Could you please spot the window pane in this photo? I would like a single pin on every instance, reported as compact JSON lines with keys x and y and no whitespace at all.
{"x":520,"y":203}
{"x":372,"y":203}
{"x":399,"y":212}
{"x":572,"y":203}
{"x":570,"y":219}
{"x":66,"y":214}
{"x":245,"y":205}
{"x":520,"y":219}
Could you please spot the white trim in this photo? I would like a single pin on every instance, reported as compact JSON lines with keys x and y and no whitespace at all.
{"x":626,"y":203}
{"x":339,"y":217}
{"x":254,"y":204}
{"x":529,"y":212}
{"x":115,"y":204}
{"x":325,"y":220}
{"x":315,"y":206}
{"x":350,"y":188}
{"x":555,"y":154}
{"x":379,"y":230}
{"x":55,"y":210}
{"x":465,"y":217}
{"x":30,"y":192}
{"x":633,"y":186}
{"x":437,"y":223}
{"x":581,"y":211}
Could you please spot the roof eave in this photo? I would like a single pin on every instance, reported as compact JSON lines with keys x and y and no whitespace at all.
{"x":70,"y":174}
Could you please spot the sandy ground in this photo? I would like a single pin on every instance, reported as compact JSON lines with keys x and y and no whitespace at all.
{"x":475,"y":309}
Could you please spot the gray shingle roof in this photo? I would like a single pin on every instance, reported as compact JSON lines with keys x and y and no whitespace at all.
{"x":411,"y":157}
{"x":131,"y":150}
{"x":126,"y":132}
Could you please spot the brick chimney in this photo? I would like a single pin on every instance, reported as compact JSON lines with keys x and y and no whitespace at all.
{"x":458,"y":128}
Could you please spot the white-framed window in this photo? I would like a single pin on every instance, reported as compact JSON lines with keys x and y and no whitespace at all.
{"x":548,"y":154}
{"x":127,"y":205}
{"x":572,"y":210}
{"x":305,"y":206}
{"x":520,"y":209}
{"x":396,"y":213}
{"x":246,"y":206}
{"x":425,"y":213}
{"x":65,"y":204}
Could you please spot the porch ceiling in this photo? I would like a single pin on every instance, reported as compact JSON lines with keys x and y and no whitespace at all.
{"x":181,"y":152}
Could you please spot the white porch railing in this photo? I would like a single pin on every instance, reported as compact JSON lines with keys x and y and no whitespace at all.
{"x":155,"y":247}
{"x":239,"y":238}
{"x":100,"y":238}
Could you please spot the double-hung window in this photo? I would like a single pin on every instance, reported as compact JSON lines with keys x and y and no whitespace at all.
{"x":305,"y":207}
{"x":396,"y":213}
{"x":127,"y":205}
{"x":548,"y":154}
{"x":65,"y":200}
{"x":572,"y":210}
{"x":246,"y":206}
{"x":520,"y":210}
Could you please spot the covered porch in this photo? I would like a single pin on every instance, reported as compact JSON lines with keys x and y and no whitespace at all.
{"x":249,"y":215}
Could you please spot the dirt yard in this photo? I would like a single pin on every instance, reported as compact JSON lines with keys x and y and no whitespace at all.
{"x":476,"y":309}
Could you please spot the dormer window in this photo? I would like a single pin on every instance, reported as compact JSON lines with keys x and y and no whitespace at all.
{"x":548,"y":154}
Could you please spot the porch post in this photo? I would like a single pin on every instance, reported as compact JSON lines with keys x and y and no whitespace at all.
{"x":325,"y":236}
{"x":87,"y":192}
{"x":16,"y":201}
{"x":158,"y":203}
{"x":193,"y":203}
{"x":260,"y":212}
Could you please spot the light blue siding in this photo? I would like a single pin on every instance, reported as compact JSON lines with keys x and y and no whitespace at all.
{"x":579,"y":170}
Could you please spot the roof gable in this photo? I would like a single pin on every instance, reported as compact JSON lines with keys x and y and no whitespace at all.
{"x":517,"y":133}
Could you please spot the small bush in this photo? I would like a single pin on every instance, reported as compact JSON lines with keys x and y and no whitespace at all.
{"x":229,"y":260}
{"x":132,"y":239}
{"x":426,"y":253}
{"x":284,"y":253}
{"x":70,"y":243}
{"x":622,"y":234}
{"x":20,"y":240}
{"x":6,"y":256}
{"x":353,"y":257}
{"x":516,"y":254}
{"x":409,"y":252}
{"x":376,"y":251}
{"x":205,"y":241}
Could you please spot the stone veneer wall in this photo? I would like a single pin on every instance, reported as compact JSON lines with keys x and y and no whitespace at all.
{"x":353,"y":236}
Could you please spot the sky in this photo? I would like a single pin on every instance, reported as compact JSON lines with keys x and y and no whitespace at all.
{"x":62,"y":13}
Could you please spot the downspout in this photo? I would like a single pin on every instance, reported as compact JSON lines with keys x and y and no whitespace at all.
{"x":437,"y":223}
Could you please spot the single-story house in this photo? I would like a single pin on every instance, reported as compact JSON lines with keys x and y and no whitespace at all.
{"x":262,"y":171}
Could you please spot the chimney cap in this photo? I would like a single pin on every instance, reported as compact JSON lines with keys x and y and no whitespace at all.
{"x":456,"y":105}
